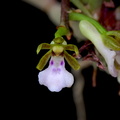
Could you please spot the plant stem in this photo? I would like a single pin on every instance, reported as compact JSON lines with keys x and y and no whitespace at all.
{"x":79,"y":16}
{"x":79,"y":5}
{"x":64,"y":28}
{"x":65,"y":7}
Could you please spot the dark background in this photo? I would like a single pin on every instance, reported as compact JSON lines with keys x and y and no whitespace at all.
{"x":26,"y":27}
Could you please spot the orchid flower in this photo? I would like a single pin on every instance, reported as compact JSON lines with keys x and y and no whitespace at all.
{"x":56,"y":77}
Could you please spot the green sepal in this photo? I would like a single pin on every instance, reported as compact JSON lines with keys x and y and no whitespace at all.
{"x":110,"y":42}
{"x":115,"y":34}
{"x":72,"y":47}
{"x":43,"y":46}
{"x":43,"y":61}
{"x":71,"y":61}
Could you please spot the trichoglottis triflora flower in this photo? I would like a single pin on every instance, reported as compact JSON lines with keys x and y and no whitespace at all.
{"x":56,"y":77}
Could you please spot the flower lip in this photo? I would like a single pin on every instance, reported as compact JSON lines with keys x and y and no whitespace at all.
{"x":51,"y":62}
{"x":56,"y":77}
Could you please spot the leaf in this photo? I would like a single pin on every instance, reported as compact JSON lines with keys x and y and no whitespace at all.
{"x":43,"y":61}
{"x":71,"y":61}
{"x":43,"y":46}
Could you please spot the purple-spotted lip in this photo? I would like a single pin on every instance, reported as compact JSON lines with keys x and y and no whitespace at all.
{"x":56,"y":77}
{"x":56,"y":70}
{"x":52,"y":62}
{"x":62,"y":62}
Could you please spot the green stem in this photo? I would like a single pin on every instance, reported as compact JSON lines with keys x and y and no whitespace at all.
{"x":61,"y":31}
{"x":64,"y":28}
{"x":78,"y":16}
{"x":79,"y":5}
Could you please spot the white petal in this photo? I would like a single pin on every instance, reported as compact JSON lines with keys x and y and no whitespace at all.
{"x":56,"y":77}
{"x":88,"y":30}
